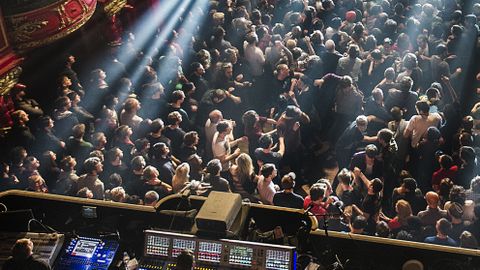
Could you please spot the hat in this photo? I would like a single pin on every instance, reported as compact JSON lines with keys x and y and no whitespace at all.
{"x":351,"y":16}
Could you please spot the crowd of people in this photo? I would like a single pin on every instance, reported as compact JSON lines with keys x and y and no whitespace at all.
{"x":265,"y":95}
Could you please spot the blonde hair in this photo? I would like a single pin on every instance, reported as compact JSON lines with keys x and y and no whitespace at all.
{"x":181,"y":176}
{"x":404,"y":210}
{"x":150,"y":172}
{"x":118,"y":194}
{"x":291,"y":43}
{"x":244,"y":166}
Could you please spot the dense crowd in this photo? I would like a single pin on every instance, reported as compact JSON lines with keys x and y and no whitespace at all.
{"x":270,"y":93}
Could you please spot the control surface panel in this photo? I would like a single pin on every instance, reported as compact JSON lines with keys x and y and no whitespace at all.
{"x":162,"y":248}
{"x":83,"y":253}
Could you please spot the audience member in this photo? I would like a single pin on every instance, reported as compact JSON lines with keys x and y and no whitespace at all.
{"x":330,"y":87}
{"x":287,"y":197}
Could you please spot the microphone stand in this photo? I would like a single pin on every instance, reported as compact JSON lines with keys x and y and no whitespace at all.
{"x":329,"y":252}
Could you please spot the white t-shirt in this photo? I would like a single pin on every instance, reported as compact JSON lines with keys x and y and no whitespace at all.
{"x":221,"y":148}
{"x":266,"y":190}
{"x":418,"y":125}
{"x":210,"y":129}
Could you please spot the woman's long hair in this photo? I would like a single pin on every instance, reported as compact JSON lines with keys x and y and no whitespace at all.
{"x":404,"y":210}
{"x":244,"y":166}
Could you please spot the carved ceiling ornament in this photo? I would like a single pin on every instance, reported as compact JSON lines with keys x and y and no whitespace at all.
{"x":114,"y":6}
{"x":9,"y":79}
{"x":47,"y":24}
{"x":25,"y":28}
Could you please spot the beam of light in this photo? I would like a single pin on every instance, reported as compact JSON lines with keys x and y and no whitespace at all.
{"x":144,"y":29}
{"x":166,"y":69}
{"x":186,"y":31}
{"x":465,"y":53}
{"x":159,"y":39}
{"x":190,"y":26}
{"x":158,"y":16}
{"x":146,"y":26}
{"x":166,"y":29}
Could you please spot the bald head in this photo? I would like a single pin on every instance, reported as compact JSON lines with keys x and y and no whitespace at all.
{"x":432,"y":199}
{"x":215,"y":116}
{"x":330,"y":45}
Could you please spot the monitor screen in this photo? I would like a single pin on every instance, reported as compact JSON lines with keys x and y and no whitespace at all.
{"x":157,"y":245}
{"x":181,"y":244}
{"x":85,"y":248}
{"x":241,"y":255}
{"x":209,"y":252}
{"x":277,"y":259}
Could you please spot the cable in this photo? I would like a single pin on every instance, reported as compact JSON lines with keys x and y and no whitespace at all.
{"x":45,"y":227}
{"x":5,"y":207}
{"x":182,"y":199}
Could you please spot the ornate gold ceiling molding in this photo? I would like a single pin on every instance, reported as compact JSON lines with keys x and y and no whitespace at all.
{"x":9,"y":79}
{"x":114,"y":6}
{"x":45,"y":25}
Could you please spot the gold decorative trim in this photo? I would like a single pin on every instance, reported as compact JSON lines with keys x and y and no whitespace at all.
{"x":28,"y":45}
{"x":8,"y":80}
{"x":114,"y":6}
{"x":175,"y":196}
{"x":32,"y":11}
{"x":61,"y":11}
{"x":23,"y":30}
{"x":77,"y":200}
{"x":396,"y":242}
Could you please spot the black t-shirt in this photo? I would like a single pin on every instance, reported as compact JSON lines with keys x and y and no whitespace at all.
{"x":185,"y":152}
{"x":287,"y":199}
{"x":350,"y":197}
{"x":153,"y":140}
{"x":165,"y":169}
{"x":133,"y":184}
{"x":456,"y":231}
{"x":379,"y":111}
{"x":108,"y":170}
{"x":305,"y":100}
{"x":371,"y":205}
{"x":272,"y":157}
{"x":281,"y":86}
{"x":185,"y":124}
{"x":350,"y":138}
{"x":176,"y":137}
{"x":218,"y":184}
